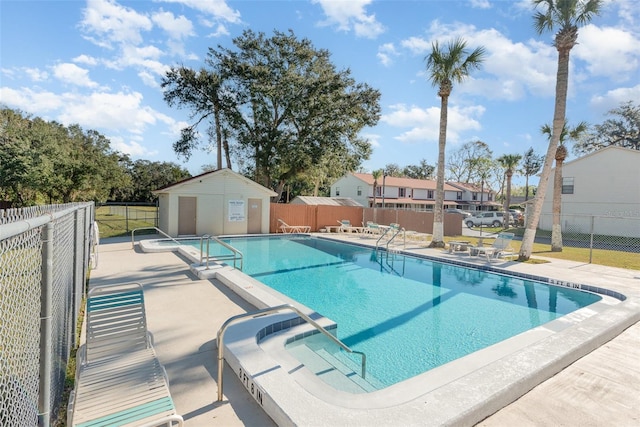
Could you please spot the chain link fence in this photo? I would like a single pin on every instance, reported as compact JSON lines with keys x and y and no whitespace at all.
{"x":44,"y":257}
{"x":595,"y":232}
{"x":120,"y":218}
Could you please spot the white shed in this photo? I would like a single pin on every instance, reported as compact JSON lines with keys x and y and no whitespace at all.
{"x":218,"y":202}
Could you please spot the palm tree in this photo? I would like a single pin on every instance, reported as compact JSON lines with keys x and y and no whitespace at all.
{"x":566,"y":15}
{"x":561,"y":155}
{"x":376,"y":176}
{"x":509,"y":162}
{"x":445,"y":68}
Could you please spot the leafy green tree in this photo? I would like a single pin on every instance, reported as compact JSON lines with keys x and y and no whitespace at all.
{"x":623,"y":130}
{"x":561,"y":154}
{"x":566,"y":15}
{"x":444,"y":68}
{"x":47,"y":162}
{"x":203,"y":92}
{"x":509,"y":162}
{"x":290,"y":106}
{"x":420,"y":171}
{"x":531,"y":164}
{"x":392,"y":169}
{"x":147,"y":176}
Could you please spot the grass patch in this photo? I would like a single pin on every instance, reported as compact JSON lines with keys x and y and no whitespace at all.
{"x":114,"y":225}
{"x":611,"y":258}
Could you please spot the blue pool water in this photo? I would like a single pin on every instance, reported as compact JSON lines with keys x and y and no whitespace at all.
{"x":407,"y":314}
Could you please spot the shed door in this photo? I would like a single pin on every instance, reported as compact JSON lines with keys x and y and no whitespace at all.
{"x":186,"y":216}
{"x":254,"y":220}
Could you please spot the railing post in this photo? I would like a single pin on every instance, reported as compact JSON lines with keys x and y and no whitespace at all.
{"x":44,"y":393}
{"x":591,"y":240}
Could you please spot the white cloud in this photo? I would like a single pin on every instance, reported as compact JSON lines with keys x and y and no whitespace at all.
{"x":24,"y":98}
{"x":132,"y":148}
{"x":86,"y":60}
{"x":417,"y":45}
{"x":36,"y":74}
{"x":425,"y":122}
{"x":220,"y":31}
{"x":351,"y":16}
{"x":609,"y":52}
{"x":510,"y":70}
{"x":111,"y":22}
{"x":480,"y":4}
{"x":72,"y":74}
{"x":219,"y":9}
{"x":178,"y":28}
{"x":374,"y":139}
{"x":614,"y":98}
{"x":386,"y":52}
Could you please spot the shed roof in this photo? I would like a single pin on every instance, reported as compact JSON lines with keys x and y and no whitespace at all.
{"x":328,"y":201}
{"x":217,"y":174}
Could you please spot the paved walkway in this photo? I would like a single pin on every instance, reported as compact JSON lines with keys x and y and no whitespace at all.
{"x":184,"y":314}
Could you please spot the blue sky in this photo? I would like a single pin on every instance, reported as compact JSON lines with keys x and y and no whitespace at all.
{"x":99,"y":63}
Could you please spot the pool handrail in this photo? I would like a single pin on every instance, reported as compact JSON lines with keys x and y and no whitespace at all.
{"x":397,"y":229}
{"x":229,"y":321}
{"x":133,"y":243}
{"x":237,"y":254}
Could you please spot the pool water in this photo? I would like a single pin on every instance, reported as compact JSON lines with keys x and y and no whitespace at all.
{"x":407,"y":314}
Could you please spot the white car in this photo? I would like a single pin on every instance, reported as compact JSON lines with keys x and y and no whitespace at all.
{"x":495,"y":219}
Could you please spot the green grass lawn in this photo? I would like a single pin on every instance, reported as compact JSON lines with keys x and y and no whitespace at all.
{"x":609,"y":258}
{"x":111,"y":225}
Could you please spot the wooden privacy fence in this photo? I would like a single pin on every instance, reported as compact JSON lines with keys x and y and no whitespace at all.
{"x":319,"y":216}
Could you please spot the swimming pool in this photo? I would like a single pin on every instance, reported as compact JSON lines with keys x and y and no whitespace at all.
{"x":461,"y":392}
{"x":407,"y":314}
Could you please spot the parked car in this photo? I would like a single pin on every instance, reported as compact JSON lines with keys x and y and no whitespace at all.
{"x":516,"y":213}
{"x":516,"y":216}
{"x":464,"y":214}
{"x":493,"y":218}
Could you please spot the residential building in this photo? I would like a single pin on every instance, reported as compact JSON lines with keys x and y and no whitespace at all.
{"x":412,"y":194}
{"x":599,"y":190}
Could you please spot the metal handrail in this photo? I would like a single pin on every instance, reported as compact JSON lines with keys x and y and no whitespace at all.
{"x":398,"y":230}
{"x":133,"y":244}
{"x":237,"y":254}
{"x":264,"y":311}
{"x":381,"y":236}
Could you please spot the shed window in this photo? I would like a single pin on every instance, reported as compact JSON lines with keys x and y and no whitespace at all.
{"x":359,"y":191}
{"x":337,"y":191}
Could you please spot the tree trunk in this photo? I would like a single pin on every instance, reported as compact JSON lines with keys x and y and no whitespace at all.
{"x":216,"y":118}
{"x":227,"y":154}
{"x":562,"y":81}
{"x":507,"y":199}
{"x":438,"y":225}
{"x":556,"y":228}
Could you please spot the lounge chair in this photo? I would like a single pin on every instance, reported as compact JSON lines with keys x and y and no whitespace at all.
{"x":286,"y":228}
{"x":346,"y":227}
{"x":120,"y":380}
{"x":372,"y":229}
{"x":499,"y":247}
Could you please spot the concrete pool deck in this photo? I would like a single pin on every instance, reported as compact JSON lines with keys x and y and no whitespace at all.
{"x":184,"y":314}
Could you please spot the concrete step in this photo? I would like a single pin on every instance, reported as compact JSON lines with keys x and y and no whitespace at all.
{"x":334,"y":366}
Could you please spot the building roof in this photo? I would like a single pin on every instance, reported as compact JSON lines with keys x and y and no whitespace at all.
{"x":392,"y":181}
{"x":217,"y":173}
{"x":328,"y":201}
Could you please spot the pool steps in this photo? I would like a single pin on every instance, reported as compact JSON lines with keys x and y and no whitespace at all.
{"x":330,"y":369}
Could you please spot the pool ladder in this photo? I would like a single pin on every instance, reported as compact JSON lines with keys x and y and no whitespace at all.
{"x":205,"y":257}
{"x":268,"y":310}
